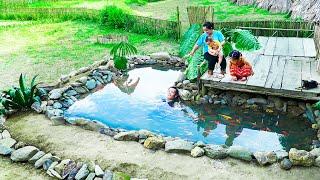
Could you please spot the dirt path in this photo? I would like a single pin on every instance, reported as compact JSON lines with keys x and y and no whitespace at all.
{"x":17,"y":171}
{"x":132,"y":158}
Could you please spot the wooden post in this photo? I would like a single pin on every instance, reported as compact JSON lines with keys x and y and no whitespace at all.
{"x":179,"y":23}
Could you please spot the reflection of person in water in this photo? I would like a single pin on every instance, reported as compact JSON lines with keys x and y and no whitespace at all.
{"x":125,"y":85}
{"x":232,"y":132}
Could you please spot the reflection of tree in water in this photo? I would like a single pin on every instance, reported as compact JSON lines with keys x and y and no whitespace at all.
{"x":292,"y":132}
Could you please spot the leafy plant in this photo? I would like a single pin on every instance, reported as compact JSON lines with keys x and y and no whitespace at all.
{"x":21,"y":97}
{"x":116,"y":17}
{"x":242,"y":40}
{"x":120,"y":52}
{"x":188,"y":39}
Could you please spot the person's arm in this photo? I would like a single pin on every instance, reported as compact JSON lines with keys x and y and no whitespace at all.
{"x":199,"y":43}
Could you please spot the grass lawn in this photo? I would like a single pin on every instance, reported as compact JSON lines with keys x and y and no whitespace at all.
{"x":53,"y":49}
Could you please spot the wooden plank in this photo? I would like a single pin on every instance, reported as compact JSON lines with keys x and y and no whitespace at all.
{"x":263,"y":42}
{"x":296,"y":47}
{"x":282,"y":47}
{"x":274,"y":71}
{"x":261,"y":70}
{"x":292,"y":75}
{"x":309,"y":47}
{"x":270,"y":47}
{"x":277,"y":83}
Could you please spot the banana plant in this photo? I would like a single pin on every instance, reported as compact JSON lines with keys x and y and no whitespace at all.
{"x":120,"y":52}
{"x":21,"y":97}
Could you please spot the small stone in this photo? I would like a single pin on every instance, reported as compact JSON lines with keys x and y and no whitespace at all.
{"x":39,"y":163}
{"x":145,"y":133}
{"x":19,"y":145}
{"x":82,"y":173}
{"x":64,"y":78}
{"x":108,"y":175}
{"x":240,"y":153}
{"x":75,"y":171}
{"x":83,"y":80}
{"x":154,"y":143}
{"x":57,"y":105}
{"x":36,"y":106}
{"x":178,"y":146}
{"x":186,"y":82}
{"x":8,"y":142}
{"x":54,"y":112}
{"x":185,"y":94}
{"x":36,"y":157}
{"x":160,"y":56}
{"x":91,"y":176}
{"x":55,"y":158}
{"x":98,"y":171}
{"x":53,"y":173}
{"x":66,"y":103}
{"x":200,"y":144}
{"x":286,"y":164}
{"x":81,"y":90}
{"x":216,"y":152}
{"x":5,"y":134}
{"x":259,"y":101}
{"x":264,"y":158}
{"x":281,"y":154}
{"x":91,"y":84}
{"x":5,"y":150}
{"x":58,"y":120}
{"x":53,"y":165}
{"x":301,"y":157}
{"x":315,"y":126}
{"x":55,"y":94}
{"x":68,"y":169}
{"x":23,"y":154}
{"x":62,"y":165}
{"x":47,"y":164}
{"x":127,"y":136}
{"x":197,"y":152}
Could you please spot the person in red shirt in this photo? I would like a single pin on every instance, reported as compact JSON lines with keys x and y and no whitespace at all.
{"x":240,"y":68}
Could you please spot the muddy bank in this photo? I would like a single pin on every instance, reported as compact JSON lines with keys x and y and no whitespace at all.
{"x":132,"y":158}
{"x":17,"y":171}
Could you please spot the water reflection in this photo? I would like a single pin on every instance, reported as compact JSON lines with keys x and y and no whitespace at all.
{"x":143,"y":108}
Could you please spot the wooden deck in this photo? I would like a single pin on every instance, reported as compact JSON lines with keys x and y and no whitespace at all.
{"x":279,"y":67}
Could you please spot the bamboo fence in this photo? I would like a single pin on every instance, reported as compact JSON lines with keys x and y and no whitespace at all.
{"x":200,"y":14}
{"x":317,"y":39}
{"x":272,"y":28}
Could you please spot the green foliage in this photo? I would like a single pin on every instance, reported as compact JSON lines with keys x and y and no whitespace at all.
{"x":140,"y":2}
{"x":116,"y":17}
{"x":188,"y":39}
{"x":316,"y":105}
{"x":119,"y":53}
{"x":193,"y":62}
{"x":242,"y":40}
{"x":20,"y":97}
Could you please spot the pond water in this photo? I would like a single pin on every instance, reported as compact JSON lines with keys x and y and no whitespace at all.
{"x":143,"y":108}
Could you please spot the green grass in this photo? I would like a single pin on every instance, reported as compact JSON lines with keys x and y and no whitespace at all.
{"x":53,"y":49}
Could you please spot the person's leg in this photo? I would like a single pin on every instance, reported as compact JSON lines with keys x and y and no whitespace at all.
{"x":223,"y":65}
{"x":211,"y":62}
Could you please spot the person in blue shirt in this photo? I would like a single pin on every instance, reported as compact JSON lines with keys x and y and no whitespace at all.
{"x":208,"y":29}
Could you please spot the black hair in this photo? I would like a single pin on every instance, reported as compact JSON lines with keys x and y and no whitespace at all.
{"x":208,"y":25}
{"x":235,"y":54}
{"x":177,"y":92}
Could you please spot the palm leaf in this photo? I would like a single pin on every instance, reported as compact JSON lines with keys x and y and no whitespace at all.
{"x":245,"y":40}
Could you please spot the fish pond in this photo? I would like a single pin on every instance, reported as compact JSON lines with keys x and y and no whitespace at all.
{"x":143,"y":107}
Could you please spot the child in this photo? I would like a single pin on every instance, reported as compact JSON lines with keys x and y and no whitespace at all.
{"x":240,"y":69}
{"x":214,"y":50}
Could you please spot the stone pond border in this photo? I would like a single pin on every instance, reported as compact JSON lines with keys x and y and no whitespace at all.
{"x":65,"y":93}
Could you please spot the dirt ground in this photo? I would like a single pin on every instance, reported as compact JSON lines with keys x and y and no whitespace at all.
{"x":130,"y":157}
{"x":17,"y":171}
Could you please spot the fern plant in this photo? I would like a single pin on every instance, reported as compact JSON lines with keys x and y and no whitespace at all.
{"x":120,"y":52}
{"x":21,"y":97}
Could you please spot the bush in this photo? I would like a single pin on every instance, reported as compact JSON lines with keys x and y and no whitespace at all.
{"x":116,"y":17}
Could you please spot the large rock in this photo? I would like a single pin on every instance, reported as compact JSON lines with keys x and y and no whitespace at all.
{"x":70,"y":167}
{"x":55,"y":94}
{"x":197,"y":152}
{"x":315,"y":152}
{"x":36,"y":157}
{"x":281,"y":154}
{"x":47,"y":164}
{"x":62,"y":165}
{"x":240,"y":153}
{"x":36,"y":106}
{"x":5,"y":150}
{"x":154,"y":143}
{"x":185,"y":94}
{"x":216,"y":152}
{"x":8,"y":142}
{"x":91,"y":176}
{"x":108,"y":175}
{"x":39,"y":163}
{"x":301,"y":157}
{"x":160,"y":56}
{"x":91,"y":84}
{"x":178,"y":146}
{"x":24,"y":154}
{"x":5,"y":134}
{"x":264,"y":158}
{"x":82,"y":173}
{"x":127,"y":136}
